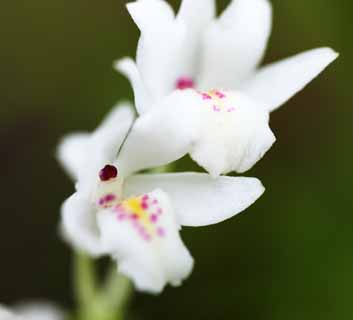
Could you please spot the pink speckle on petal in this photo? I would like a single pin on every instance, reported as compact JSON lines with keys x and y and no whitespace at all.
{"x":136,"y":225}
{"x":144,"y":205}
{"x":216,"y":109}
{"x":159,"y":211}
{"x":119,"y":209}
{"x":220,"y":94}
{"x":147,"y":237}
{"x":155,"y":201}
{"x":184,"y":83}
{"x":145,"y":197}
{"x":110,"y":197}
{"x":206,"y":96}
{"x":153,"y":218}
{"x":161,"y":232}
{"x":122,"y":216}
{"x":134,"y":216}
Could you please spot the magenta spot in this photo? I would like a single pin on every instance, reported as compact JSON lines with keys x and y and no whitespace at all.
{"x":122,"y":216}
{"x":153,"y":218}
{"x":216,"y":109}
{"x":119,"y":209}
{"x":145,"y":197}
{"x":155,"y":201}
{"x":144,"y":205}
{"x":108,"y":172}
{"x":220,"y":94}
{"x":206,"y":96}
{"x":110,"y":197}
{"x":101,"y":201}
{"x":184,"y":83}
{"x":134,"y":216}
{"x":136,"y":225}
{"x":159,"y":211}
{"x":161,"y":232}
{"x":147,"y":237}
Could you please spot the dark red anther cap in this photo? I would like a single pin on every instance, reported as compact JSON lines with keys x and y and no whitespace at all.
{"x":108,"y":172}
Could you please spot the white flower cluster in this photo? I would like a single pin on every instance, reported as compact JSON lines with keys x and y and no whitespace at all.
{"x":198,"y":90}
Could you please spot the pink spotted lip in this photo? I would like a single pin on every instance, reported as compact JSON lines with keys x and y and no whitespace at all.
{"x":108,"y":172}
{"x":217,"y":99}
{"x":148,"y":229}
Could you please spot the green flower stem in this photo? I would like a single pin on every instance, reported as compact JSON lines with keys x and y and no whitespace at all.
{"x":107,"y":302}
{"x":84,"y":282}
{"x":116,"y":293}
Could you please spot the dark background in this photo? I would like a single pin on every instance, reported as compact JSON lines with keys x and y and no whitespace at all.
{"x":290,"y":256}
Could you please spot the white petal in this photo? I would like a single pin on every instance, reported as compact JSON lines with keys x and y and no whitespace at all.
{"x":160,"y":48}
{"x":278,"y":82}
{"x":196,"y":14}
{"x":162,"y":135}
{"x":234,"y":132}
{"x":39,"y":311}
{"x":79,"y":225}
{"x":128,"y":68}
{"x":114,"y":128}
{"x":85,"y":155}
{"x":72,"y":153}
{"x":234,"y":45}
{"x":5,"y":314}
{"x":152,"y":254}
{"x":221,"y":134}
{"x":199,"y":199}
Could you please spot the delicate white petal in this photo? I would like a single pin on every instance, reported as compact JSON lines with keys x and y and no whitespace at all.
{"x":222,"y":134}
{"x":5,"y":314}
{"x":115,"y":126}
{"x":196,"y":14}
{"x":39,"y":311}
{"x":79,"y":225}
{"x":234,"y":132}
{"x":150,"y":15}
{"x":198,"y":198}
{"x":72,"y":153}
{"x":143,"y":236}
{"x":128,"y":67}
{"x":86,"y":155}
{"x":278,"y":82}
{"x":162,"y":135}
{"x":234,"y":45}
{"x":160,"y":49}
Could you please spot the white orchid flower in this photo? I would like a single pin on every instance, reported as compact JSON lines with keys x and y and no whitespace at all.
{"x":32,"y":311}
{"x":136,"y":218}
{"x":217,"y":59}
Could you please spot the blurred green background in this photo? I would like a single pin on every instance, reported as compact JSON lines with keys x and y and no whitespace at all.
{"x":290,"y":256}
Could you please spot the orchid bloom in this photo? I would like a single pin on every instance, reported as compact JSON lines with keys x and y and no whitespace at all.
{"x":136,"y":218}
{"x":225,"y":127}
{"x":35,"y":311}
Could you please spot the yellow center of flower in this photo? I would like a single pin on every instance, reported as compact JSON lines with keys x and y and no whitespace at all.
{"x":143,"y":213}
